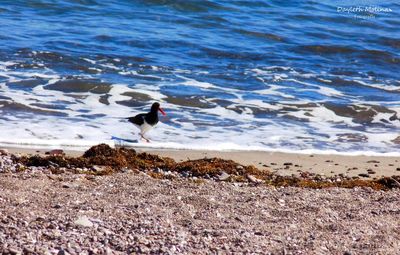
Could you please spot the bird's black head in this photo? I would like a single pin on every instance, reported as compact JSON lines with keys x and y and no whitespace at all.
{"x":156,"y":107}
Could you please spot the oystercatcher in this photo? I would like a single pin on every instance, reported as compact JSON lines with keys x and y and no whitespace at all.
{"x":146,"y":121}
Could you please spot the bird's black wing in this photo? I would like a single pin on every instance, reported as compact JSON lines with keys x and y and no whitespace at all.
{"x":138,"y":119}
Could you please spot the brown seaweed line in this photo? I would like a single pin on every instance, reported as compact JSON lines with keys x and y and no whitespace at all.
{"x":115,"y":160}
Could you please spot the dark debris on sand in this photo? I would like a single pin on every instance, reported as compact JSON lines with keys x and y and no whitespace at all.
{"x":115,"y":160}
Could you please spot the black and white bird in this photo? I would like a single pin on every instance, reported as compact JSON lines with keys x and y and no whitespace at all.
{"x":146,"y":121}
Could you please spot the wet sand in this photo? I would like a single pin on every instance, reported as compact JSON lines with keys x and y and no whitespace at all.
{"x":278,"y":162}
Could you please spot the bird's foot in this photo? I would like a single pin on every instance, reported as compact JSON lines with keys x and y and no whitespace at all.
{"x":144,"y":138}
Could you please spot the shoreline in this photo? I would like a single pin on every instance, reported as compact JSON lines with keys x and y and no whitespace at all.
{"x":281,"y":163}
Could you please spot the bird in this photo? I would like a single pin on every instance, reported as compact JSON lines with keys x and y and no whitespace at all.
{"x":146,"y":121}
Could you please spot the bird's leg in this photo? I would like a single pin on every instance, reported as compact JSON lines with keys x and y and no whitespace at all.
{"x":147,"y":140}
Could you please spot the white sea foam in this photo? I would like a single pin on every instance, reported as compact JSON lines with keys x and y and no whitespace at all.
{"x":95,"y":69}
{"x":134,"y":72}
{"x":324,"y":115}
{"x":54,"y":133}
{"x":378,"y":85}
{"x":53,"y":143}
{"x":110,"y":66}
{"x":193,"y":82}
{"x":274,"y":90}
{"x":150,"y":90}
{"x":325,"y":80}
{"x":93,"y":62}
{"x":5,"y":64}
{"x":241,"y":127}
{"x":82,"y":145}
{"x":330,"y":92}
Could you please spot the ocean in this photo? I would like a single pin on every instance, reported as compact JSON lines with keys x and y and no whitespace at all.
{"x":299,"y":76}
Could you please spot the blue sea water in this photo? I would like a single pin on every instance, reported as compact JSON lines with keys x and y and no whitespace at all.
{"x":269,"y":75}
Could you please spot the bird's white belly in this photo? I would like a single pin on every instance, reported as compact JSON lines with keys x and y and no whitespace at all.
{"x":145,"y":127}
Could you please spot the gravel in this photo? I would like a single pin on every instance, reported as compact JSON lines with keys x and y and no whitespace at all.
{"x":134,"y":213}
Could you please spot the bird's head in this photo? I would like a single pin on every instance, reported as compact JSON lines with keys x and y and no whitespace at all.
{"x":156,"y":107}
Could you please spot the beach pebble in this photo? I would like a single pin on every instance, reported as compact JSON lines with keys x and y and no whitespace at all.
{"x":185,"y":174}
{"x":69,"y":185}
{"x":56,"y":206}
{"x":55,"y":152}
{"x":224,"y":176}
{"x":3,"y":151}
{"x":393,"y":182}
{"x":253,"y":179}
{"x":157,"y":170}
{"x":62,"y":252}
{"x":28,"y":250}
{"x":108,"y":251}
{"x":239,"y":167}
{"x":14,"y":251}
{"x":84,"y":222}
{"x":98,"y":169}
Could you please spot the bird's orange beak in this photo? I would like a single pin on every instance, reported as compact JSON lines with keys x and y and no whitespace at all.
{"x":162,"y":111}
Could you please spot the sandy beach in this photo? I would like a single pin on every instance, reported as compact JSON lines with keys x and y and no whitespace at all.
{"x":118,"y":201}
{"x":130,"y":213}
{"x":290,"y":163}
